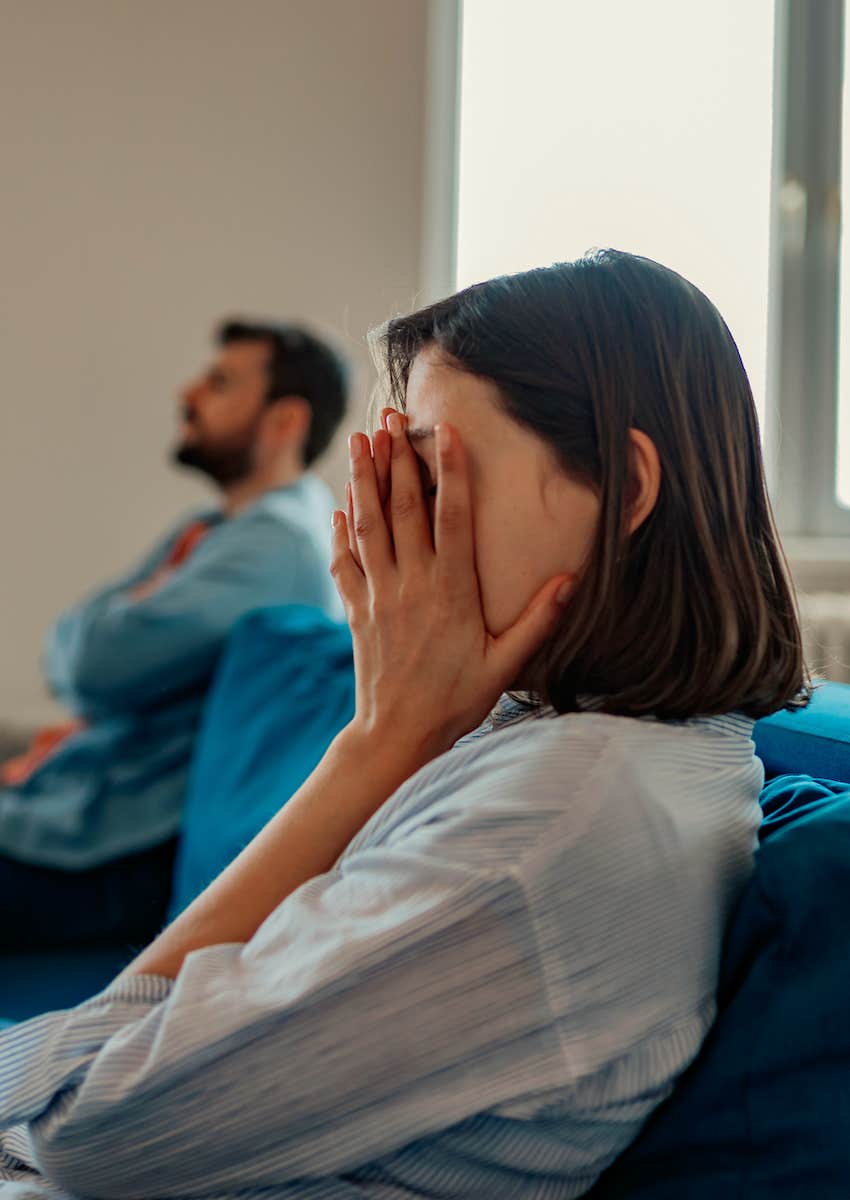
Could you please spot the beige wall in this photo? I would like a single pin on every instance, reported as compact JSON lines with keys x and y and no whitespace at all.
{"x":165,"y":162}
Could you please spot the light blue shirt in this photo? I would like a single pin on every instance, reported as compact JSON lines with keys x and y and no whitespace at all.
{"x":501,"y":978}
{"x":138,"y":670}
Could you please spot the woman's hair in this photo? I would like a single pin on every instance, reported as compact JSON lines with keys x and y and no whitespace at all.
{"x":693,"y":612}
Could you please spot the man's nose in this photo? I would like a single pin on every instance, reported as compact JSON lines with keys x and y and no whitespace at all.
{"x":189,"y":394}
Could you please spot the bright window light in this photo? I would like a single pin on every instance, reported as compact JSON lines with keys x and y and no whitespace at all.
{"x":642,"y":126}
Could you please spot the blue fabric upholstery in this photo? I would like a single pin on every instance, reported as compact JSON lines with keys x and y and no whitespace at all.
{"x":284,"y":689}
{"x":815,"y":739}
{"x":36,"y":983}
{"x":764,"y":1112}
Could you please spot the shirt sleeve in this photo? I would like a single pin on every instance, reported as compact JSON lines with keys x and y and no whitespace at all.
{"x":118,"y":654}
{"x":382,"y":1002}
{"x":61,"y":638}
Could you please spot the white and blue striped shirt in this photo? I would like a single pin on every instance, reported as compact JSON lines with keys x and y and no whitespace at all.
{"x":501,"y":978}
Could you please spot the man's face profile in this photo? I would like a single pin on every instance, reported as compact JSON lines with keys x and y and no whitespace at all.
{"x":221,"y":412}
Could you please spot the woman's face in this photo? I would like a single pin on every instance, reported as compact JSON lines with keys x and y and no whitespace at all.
{"x":531,"y":522}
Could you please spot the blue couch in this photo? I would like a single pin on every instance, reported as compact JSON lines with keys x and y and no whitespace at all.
{"x":283,"y":688}
{"x":765,"y":1110}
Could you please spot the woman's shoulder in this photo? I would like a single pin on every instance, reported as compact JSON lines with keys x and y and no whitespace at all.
{"x":525,"y":780}
{"x":545,"y":748}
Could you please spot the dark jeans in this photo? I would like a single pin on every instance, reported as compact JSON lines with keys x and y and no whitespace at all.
{"x":123,"y":901}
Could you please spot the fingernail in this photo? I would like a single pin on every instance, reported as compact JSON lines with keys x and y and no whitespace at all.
{"x":355,"y":447}
{"x":442,"y":437}
{"x":336,"y":518}
{"x":394,"y":425}
{"x":564,"y":592}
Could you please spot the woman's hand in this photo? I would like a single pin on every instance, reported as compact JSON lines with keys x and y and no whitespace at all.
{"x":427,"y":669}
{"x":427,"y":672}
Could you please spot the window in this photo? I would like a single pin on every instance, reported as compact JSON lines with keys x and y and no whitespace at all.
{"x":646,"y":127}
{"x":706,"y":135}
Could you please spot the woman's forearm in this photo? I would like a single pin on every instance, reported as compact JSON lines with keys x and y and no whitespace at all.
{"x":356,"y":775}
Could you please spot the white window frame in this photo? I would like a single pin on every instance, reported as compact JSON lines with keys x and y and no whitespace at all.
{"x":441,"y":166}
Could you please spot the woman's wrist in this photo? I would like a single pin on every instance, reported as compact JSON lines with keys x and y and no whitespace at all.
{"x":388,"y":751}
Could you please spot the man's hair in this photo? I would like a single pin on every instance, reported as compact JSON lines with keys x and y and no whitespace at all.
{"x":693,"y":612}
{"x":300,"y":364}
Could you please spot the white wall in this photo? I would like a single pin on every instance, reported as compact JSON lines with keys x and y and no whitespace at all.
{"x":166,"y":162}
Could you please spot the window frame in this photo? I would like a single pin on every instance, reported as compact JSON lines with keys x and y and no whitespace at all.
{"x":441,"y":165}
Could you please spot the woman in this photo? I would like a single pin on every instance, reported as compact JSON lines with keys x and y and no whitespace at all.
{"x":473,"y":953}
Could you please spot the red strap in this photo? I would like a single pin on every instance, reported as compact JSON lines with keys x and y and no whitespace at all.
{"x":186,"y":543}
{"x":18,"y":770}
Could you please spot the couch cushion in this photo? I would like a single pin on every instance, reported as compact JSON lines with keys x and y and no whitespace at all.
{"x":815,"y":739}
{"x":50,"y":979}
{"x":283,"y":690}
{"x":764,"y":1112}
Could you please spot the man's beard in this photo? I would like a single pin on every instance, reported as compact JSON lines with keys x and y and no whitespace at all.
{"x":224,"y":464}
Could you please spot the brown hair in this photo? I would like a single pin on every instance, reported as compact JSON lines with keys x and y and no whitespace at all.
{"x":300,"y":364}
{"x":693,"y":613}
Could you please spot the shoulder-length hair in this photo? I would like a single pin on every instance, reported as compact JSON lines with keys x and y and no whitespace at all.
{"x":693,"y":613}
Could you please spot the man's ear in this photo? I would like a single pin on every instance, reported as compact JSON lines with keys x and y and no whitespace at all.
{"x":644,"y":478}
{"x":289,"y":420}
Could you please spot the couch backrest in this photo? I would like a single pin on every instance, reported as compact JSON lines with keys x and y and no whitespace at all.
{"x":764,"y":1112}
{"x":283,"y":690}
{"x":815,"y":739}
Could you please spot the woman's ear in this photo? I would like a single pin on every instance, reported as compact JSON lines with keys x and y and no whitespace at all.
{"x":644,"y":478}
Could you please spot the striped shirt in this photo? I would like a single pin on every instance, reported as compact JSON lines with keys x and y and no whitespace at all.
{"x":500,"y":979}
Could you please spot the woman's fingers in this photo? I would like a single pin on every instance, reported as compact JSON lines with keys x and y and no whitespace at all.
{"x":410,"y":525}
{"x":349,"y":512}
{"x":453,"y":537}
{"x":371,"y":535}
{"x":381,"y":457}
{"x":381,"y":461}
{"x":513,"y":648}
{"x":388,"y":521}
{"x":385,"y":413}
{"x":347,"y":575}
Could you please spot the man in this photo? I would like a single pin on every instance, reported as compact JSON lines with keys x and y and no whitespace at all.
{"x":89,"y":815}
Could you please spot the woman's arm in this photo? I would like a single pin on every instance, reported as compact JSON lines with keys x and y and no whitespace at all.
{"x":390,"y":998}
{"x":302,"y":841}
